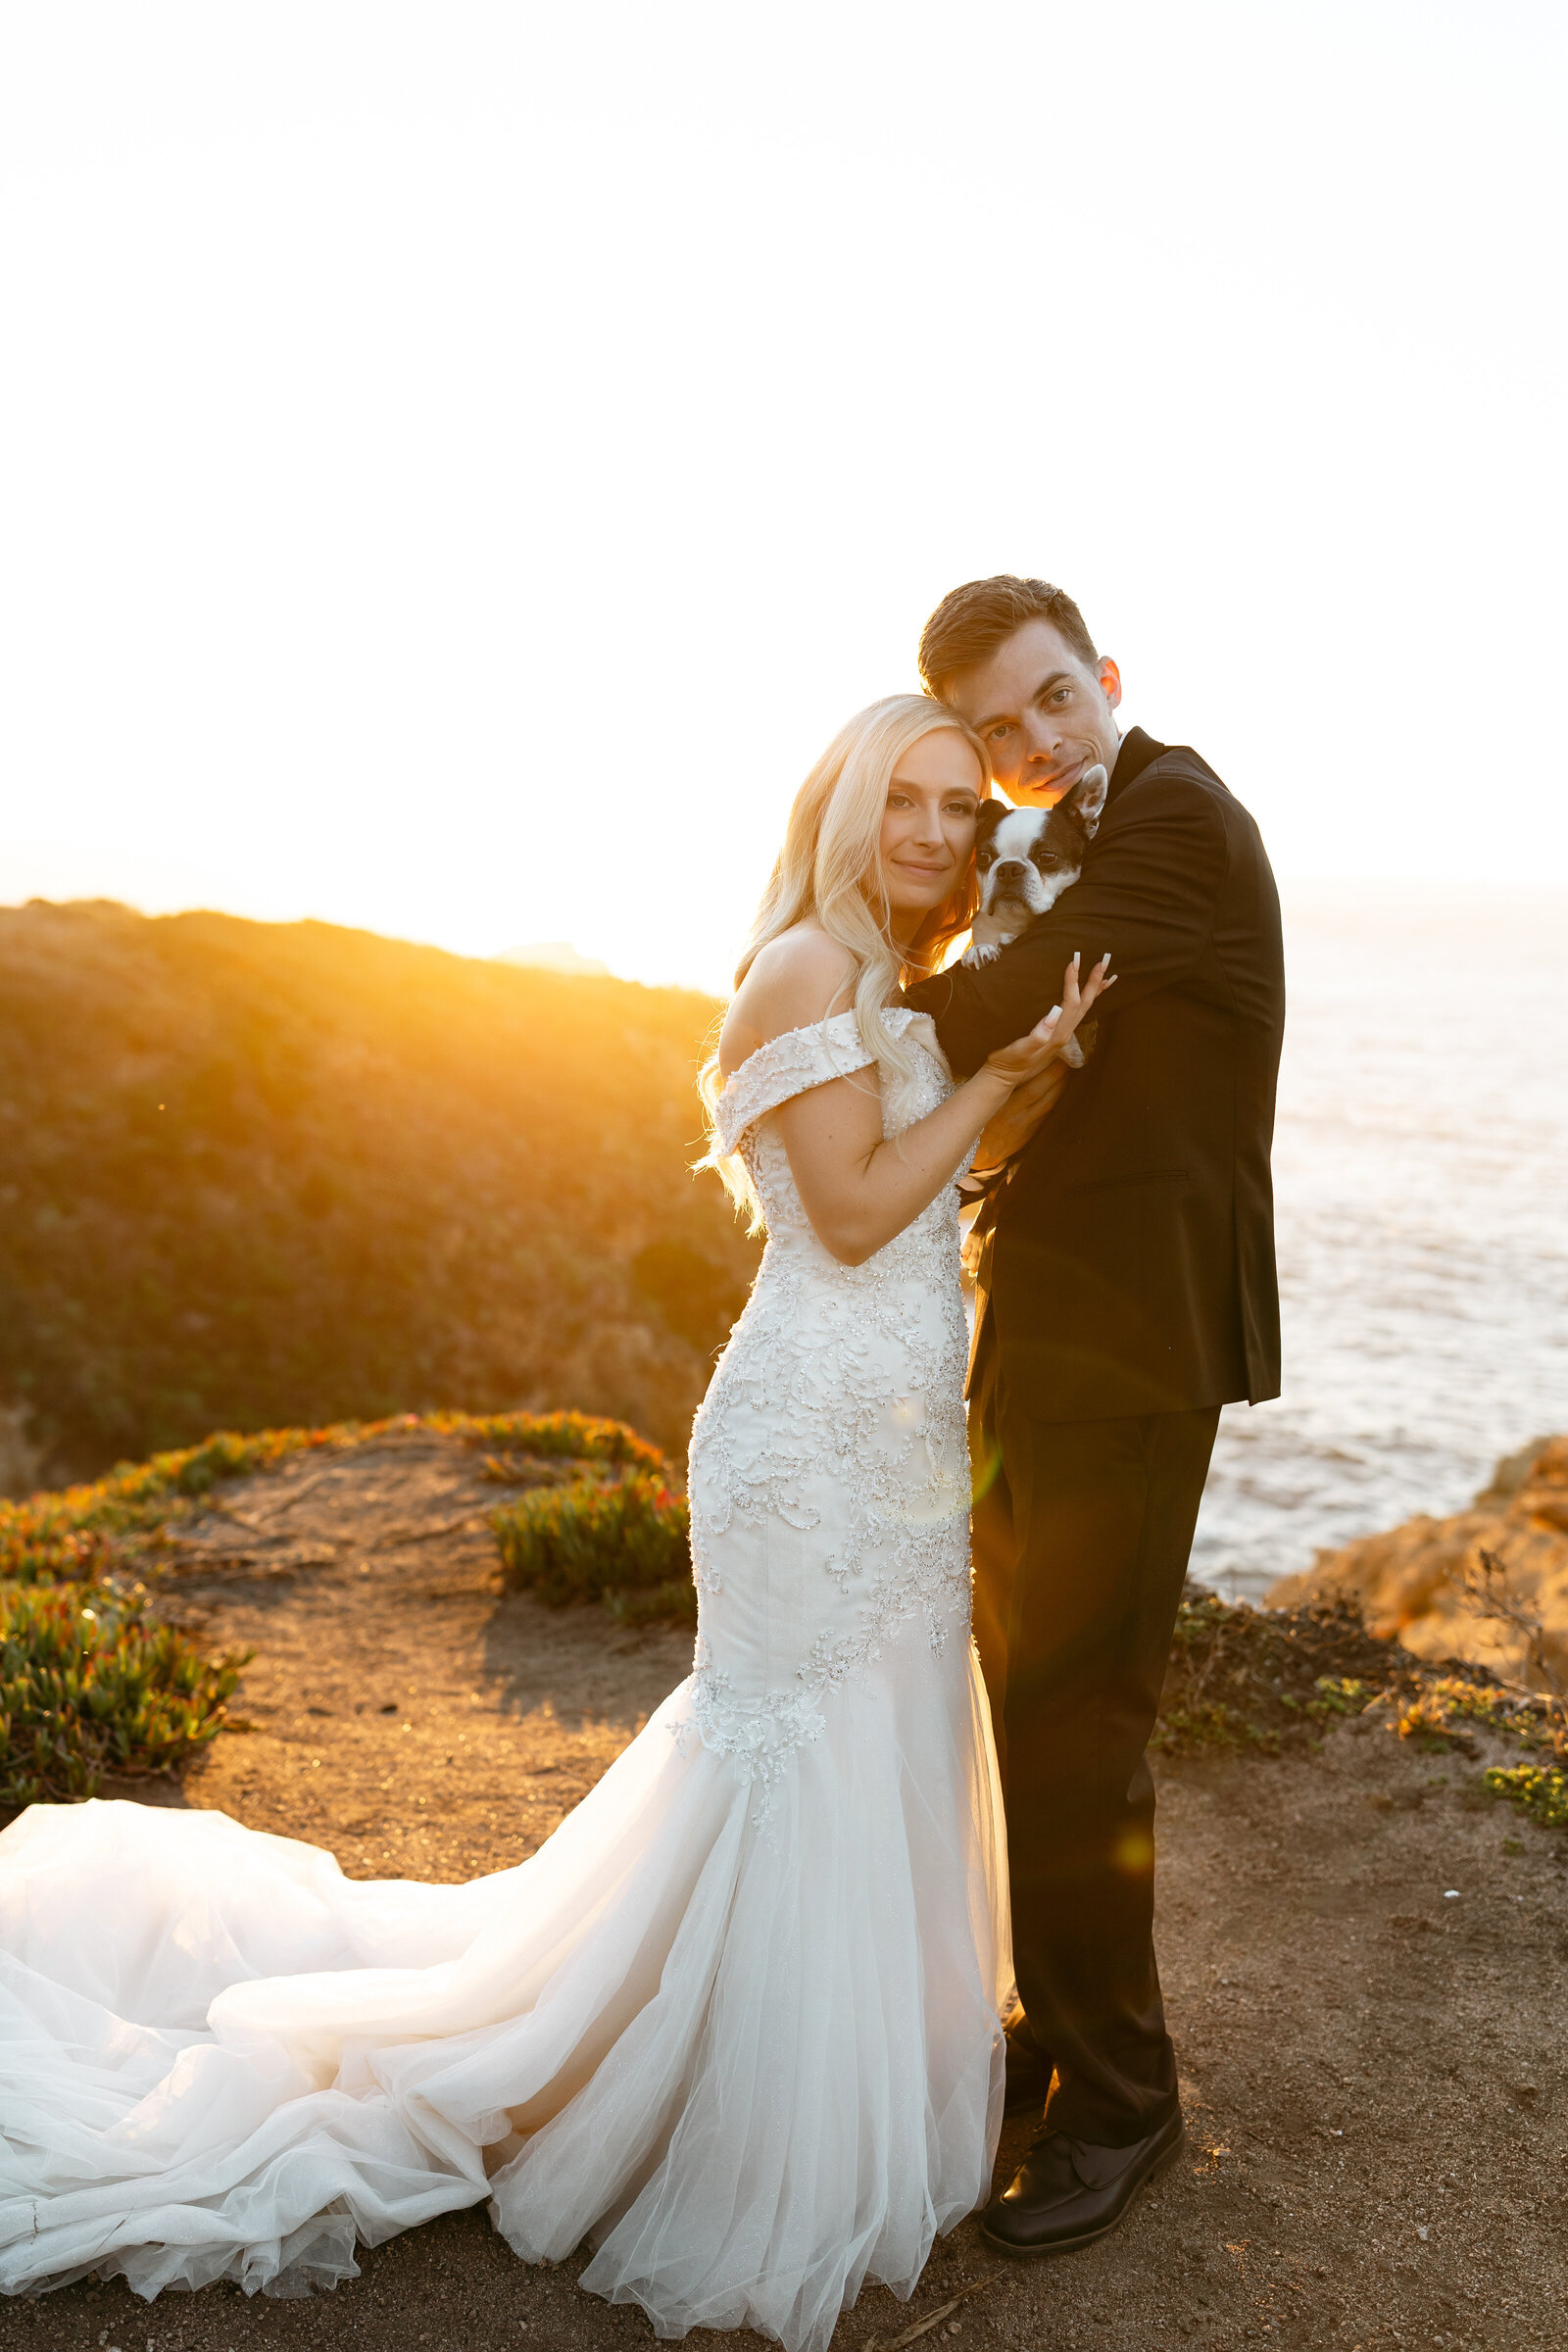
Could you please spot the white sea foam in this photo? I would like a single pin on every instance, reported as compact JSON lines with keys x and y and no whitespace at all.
{"x":1421,"y":1174}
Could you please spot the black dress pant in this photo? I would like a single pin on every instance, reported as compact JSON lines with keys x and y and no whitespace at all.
{"x":1082,"y":1531}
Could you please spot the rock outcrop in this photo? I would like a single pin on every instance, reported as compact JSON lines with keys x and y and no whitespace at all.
{"x":1412,"y":1583}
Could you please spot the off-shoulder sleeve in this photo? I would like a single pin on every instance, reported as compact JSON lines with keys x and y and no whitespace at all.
{"x":796,"y":1061}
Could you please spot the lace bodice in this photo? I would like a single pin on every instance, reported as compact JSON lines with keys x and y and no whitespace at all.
{"x":829,"y":1482}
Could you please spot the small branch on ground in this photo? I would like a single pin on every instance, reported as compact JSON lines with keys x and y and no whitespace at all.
{"x":874,"y":2343}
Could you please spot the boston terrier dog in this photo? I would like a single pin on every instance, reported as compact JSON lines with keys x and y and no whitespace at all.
{"x":1025,"y":858}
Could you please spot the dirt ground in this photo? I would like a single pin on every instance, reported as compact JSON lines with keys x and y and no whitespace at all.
{"x":1375,"y":2068}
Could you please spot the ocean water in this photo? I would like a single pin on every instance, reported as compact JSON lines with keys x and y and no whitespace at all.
{"x":1421,"y":1183}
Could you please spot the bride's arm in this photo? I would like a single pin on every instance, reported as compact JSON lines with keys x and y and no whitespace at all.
{"x":858,"y":1190}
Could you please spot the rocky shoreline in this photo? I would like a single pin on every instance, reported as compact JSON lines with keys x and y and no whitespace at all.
{"x":1425,"y":1584}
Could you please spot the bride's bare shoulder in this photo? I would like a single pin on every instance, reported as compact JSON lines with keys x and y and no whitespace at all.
{"x":804,"y":973}
{"x":801,"y":976}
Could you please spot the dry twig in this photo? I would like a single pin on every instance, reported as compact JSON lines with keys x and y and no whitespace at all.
{"x":874,"y":2343}
{"x":1488,"y":1591}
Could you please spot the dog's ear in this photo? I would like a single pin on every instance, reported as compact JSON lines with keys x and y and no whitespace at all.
{"x":1086,"y":802}
{"x":987,"y":818}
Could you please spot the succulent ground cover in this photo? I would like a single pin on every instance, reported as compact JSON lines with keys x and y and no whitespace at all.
{"x":623,"y":1541}
{"x":1263,"y":1680}
{"x":1269,"y":1681}
{"x":1449,"y":1710}
{"x":98,"y":1677}
{"x":91,"y":1683}
{"x":90,"y":1530}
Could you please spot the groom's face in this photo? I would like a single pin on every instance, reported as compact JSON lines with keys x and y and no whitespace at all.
{"x":1045,"y":712}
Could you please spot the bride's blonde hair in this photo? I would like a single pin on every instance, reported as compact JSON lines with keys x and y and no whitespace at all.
{"x":830,"y":871}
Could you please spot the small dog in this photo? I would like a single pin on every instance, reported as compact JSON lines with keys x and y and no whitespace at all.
{"x":1025,"y":858}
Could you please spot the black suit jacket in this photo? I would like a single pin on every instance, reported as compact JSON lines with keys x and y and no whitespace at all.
{"x":1133,"y":1255}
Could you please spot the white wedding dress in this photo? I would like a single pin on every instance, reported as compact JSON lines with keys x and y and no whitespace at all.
{"x":736,"y":2023}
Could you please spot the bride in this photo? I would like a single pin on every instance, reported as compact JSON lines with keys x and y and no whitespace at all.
{"x":737,"y":2021}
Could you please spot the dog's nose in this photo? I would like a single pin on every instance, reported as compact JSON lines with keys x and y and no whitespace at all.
{"x":1009,"y":870}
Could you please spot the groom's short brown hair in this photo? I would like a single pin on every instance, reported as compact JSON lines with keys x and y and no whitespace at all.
{"x":972,"y":621}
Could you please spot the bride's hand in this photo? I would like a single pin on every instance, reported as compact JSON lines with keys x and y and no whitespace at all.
{"x":1028,"y":1056}
{"x":1025,"y":1110}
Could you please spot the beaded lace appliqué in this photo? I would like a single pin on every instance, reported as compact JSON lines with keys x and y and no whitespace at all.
{"x":839,"y":1381}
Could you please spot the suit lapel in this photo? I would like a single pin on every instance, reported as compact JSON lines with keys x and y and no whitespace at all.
{"x":1138,"y":752}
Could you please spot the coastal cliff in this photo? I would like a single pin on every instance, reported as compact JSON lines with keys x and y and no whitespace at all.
{"x":1363,"y":1946}
{"x":1425,"y":1583}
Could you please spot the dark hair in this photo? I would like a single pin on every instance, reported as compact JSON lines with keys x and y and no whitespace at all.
{"x":972,"y":621}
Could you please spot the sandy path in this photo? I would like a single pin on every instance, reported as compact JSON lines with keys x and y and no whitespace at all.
{"x":1362,"y":2060}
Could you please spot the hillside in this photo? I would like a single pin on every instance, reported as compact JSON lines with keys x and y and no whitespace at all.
{"x":261,"y":1174}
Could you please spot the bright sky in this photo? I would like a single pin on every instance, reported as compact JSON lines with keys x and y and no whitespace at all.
{"x":462,"y":461}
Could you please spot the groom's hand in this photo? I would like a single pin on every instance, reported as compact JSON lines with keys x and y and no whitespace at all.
{"x":1017,"y":1122}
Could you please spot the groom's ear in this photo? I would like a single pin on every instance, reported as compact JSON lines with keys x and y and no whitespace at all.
{"x":1086,"y":802}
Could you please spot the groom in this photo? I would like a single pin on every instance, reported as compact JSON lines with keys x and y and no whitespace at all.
{"x":1126,"y":1292}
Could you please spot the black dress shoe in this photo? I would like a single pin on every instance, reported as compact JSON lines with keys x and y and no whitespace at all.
{"x":1029,"y":2072}
{"x":1068,"y":2191}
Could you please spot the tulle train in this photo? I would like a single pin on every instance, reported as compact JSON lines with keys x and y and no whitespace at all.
{"x":749,"y":2048}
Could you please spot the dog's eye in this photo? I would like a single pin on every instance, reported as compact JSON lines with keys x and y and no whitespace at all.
{"x":1047,"y":858}
{"x":985,"y":859}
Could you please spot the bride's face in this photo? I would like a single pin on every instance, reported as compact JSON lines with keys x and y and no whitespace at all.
{"x":928,"y":826}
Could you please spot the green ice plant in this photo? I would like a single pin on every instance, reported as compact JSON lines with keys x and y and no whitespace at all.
{"x":1540,"y":1790}
{"x":81,"y":1532}
{"x":625,"y":1541}
{"x":92,"y":1682}
{"x":89,"y":1684}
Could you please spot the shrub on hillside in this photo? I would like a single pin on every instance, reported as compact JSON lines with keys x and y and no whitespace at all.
{"x":255,"y":1175}
{"x":89,"y":1684}
{"x":626,"y":1543}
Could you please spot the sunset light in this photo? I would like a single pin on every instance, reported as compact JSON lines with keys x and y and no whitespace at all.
{"x":783,"y":1243}
{"x":468,"y":464}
